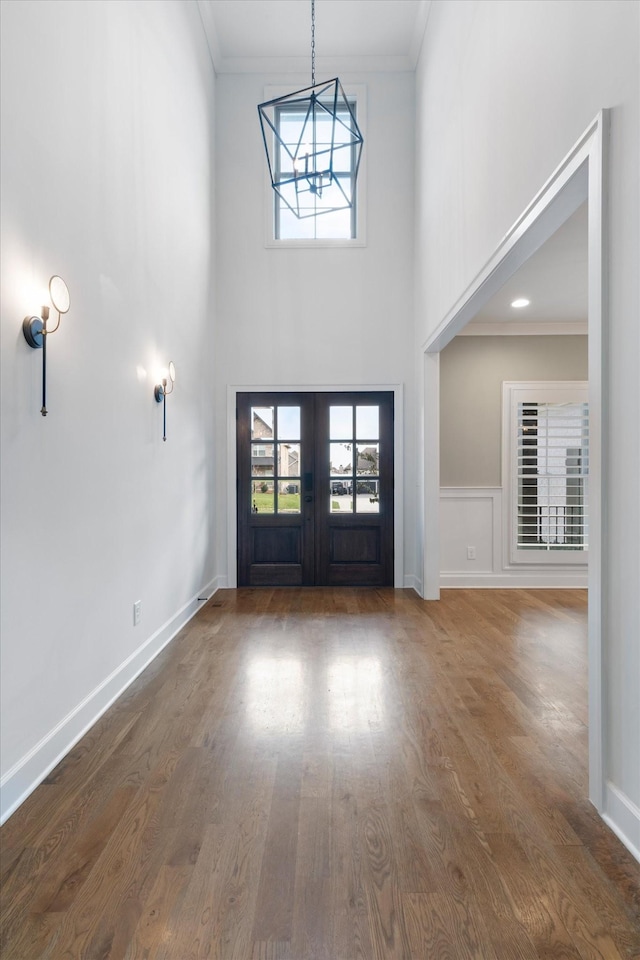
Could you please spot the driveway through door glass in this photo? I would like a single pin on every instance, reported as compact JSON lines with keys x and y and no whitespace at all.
{"x":315,"y":489}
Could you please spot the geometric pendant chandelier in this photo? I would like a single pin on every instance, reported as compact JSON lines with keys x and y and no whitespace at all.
{"x":313,"y":145}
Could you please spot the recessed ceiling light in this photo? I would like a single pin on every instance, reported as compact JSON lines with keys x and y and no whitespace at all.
{"x":521,"y":302}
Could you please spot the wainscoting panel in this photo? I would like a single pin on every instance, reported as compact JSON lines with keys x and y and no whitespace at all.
{"x":467,"y":518}
{"x":471,"y":521}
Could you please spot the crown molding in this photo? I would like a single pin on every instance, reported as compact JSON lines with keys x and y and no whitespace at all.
{"x":211,"y":35}
{"x":328,"y":66}
{"x":325,"y":66}
{"x":525,"y":328}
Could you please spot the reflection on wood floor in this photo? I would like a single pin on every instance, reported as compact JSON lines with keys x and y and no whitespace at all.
{"x":307,"y":774}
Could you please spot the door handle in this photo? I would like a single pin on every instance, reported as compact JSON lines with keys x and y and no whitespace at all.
{"x":308,"y":499}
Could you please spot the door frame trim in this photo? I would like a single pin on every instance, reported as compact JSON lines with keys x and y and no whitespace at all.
{"x":582,"y":174}
{"x":398,"y":452}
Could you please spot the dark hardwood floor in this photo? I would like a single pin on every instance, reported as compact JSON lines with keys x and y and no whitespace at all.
{"x":316,"y":774}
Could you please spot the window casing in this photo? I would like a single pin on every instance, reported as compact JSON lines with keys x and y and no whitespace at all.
{"x":314,"y":224}
{"x":344,"y":227}
{"x":546,"y":471}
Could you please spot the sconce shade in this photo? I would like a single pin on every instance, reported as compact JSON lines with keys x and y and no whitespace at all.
{"x":313,"y":146}
{"x":165,"y":387}
{"x":59,"y":293}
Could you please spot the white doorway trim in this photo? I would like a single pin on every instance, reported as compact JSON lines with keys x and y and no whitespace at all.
{"x":580,"y":176}
{"x":398,"y":463}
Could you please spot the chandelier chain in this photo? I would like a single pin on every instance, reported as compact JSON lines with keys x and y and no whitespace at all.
{"x":313,"y":43}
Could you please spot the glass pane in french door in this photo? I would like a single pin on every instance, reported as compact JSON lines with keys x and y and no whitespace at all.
{"x":354,"y":458}
{"x":275,"y":451}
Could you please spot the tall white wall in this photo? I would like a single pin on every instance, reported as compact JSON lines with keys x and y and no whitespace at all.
{"x":504,"y":90}
{"x":107,"y":150}
{"x":315,"y":316}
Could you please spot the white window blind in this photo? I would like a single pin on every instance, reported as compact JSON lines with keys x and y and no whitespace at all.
{"x":546,"y":441}
{"x":553,"y":476}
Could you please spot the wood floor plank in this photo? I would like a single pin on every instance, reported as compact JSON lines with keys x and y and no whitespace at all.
{"x":579,"y":867}
{"x":588,"y":931}
{"x":151,"y":931}
{"x":70,"y":800}
{"x":384,"y":906}
{"x":319,"y":774}
{"x":533,"y":906}
{"x":272,"y":950}
{"x":350,"y":797}
{"x":275,"y":897}
{"x":109,"y":903}
{"x":234,"y":892}
{"x":185,"y":930}
{"x":443,"y":927}
{"x":57,"y":893}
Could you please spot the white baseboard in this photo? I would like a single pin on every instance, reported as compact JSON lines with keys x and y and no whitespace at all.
{"x":520,"y":579}
{"x":30,"y":771}
{"x":221,"y":582}
{"x":623,"y":817}
{"x":412,"y":582}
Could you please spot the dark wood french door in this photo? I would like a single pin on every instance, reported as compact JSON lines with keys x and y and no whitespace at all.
{"x":315,"y":489}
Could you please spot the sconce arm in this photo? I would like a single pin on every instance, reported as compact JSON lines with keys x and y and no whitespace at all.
{"x":53,"y":330}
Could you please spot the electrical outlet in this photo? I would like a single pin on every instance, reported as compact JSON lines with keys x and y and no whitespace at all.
{"x":137,"y":612}
{"x":471,"y":553}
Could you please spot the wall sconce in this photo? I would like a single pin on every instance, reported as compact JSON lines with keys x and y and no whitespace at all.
{"x":36,"y":331}
{"x":161,"y":391}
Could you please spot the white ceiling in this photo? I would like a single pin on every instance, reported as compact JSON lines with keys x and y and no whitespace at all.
{"x":274,"y":36}
{"x":554,"y":279}
{"x":248,"y":36}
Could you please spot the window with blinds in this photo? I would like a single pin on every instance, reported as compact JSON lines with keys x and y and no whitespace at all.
{"x":549,"y":467}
